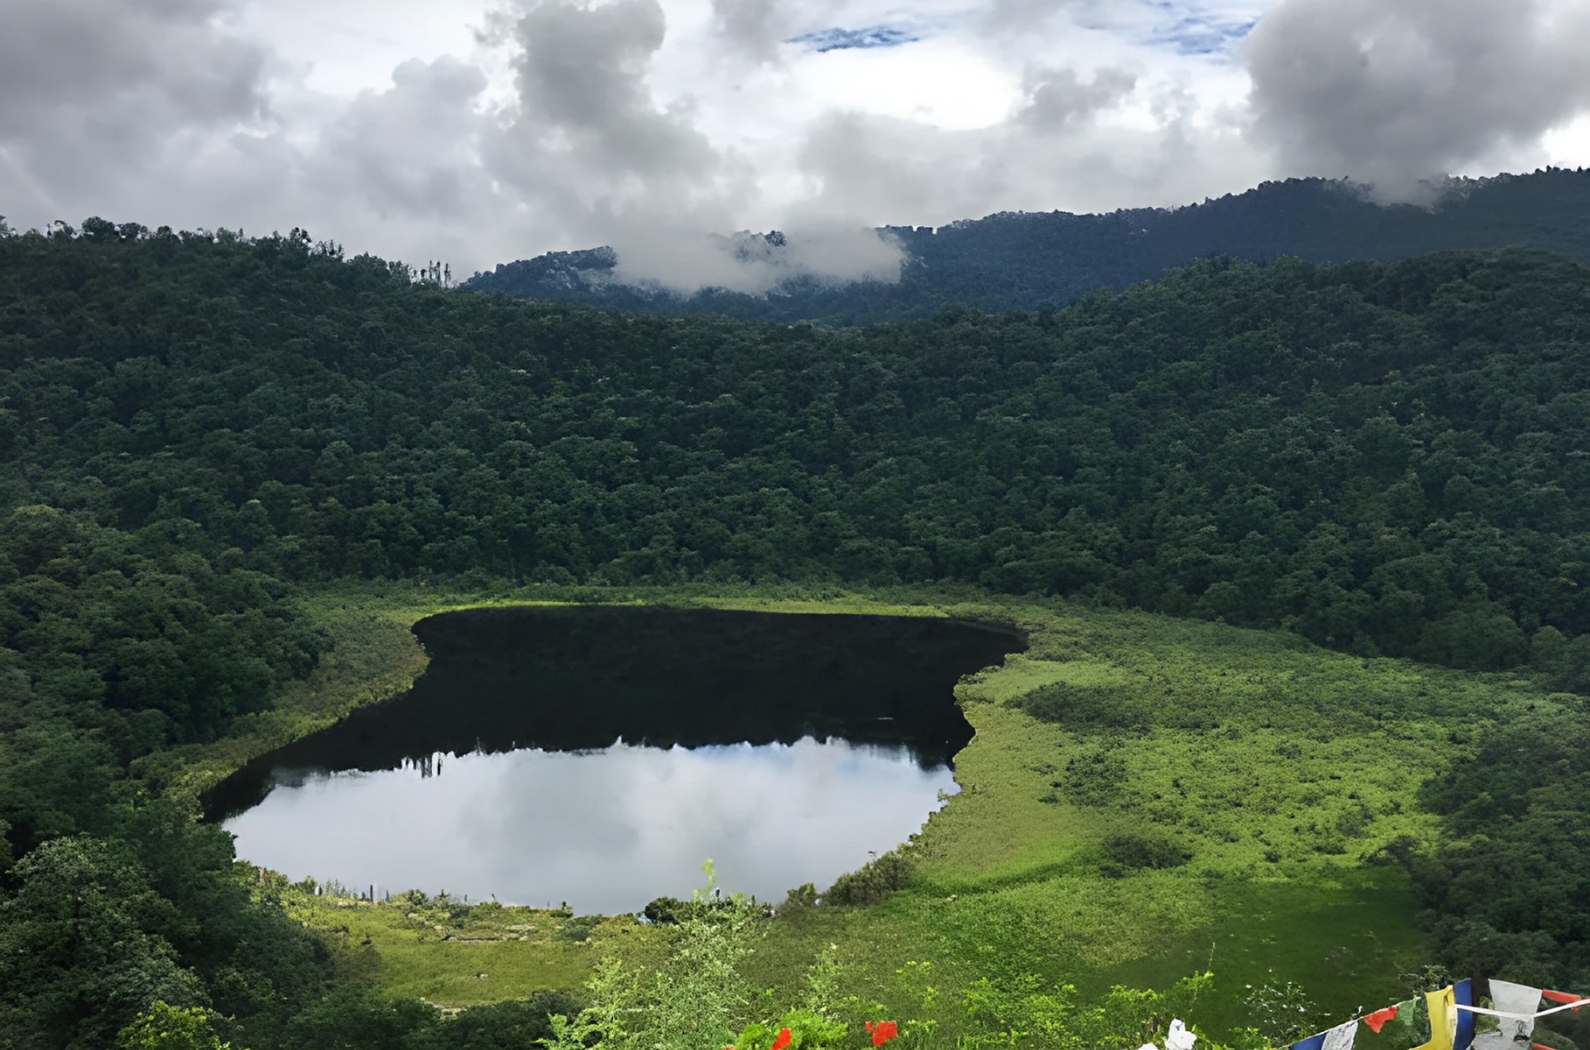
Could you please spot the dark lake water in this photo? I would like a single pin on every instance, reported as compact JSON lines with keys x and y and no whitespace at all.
{"x":598,"y":755}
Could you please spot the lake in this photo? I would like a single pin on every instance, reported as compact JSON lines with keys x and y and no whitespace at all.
{"x":597,"y":755}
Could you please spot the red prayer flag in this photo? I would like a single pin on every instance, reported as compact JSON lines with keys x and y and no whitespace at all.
{"x":1562,"y":997}
{"x":783,"y":1039}
{"x":1378,"y":1019}
{"x":884,"y":1031}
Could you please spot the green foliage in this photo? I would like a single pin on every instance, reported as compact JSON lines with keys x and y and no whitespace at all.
{"x":1132,"y":852}
{"x":97,"y":929}
{"x":1093,"y":777}
{"x":1280,"y":1010}
{"x":1023,"y":1013}
{"x":1385,"y":458}
{"x":1507,"y":891}
{"x":1086,"y":706}
{"x":167,"y":1027}
{"x":354,"y":1019}
{"x":808,"y":1031}
{"x":870,"y":883}
{"x":81,"y":950}
{"x":697,"y":998}
{"x":517,"y":1024}
{"x":138,"y":637}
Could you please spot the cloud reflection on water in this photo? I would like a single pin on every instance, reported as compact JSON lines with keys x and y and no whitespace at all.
{"x":608,"y":830}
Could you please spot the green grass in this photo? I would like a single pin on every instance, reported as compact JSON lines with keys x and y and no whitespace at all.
{"x":1279,"y":770}
{"x":454,"y":955}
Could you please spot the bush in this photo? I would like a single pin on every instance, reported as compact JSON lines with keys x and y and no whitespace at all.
{"x":1280,"y":1010}
{"x":871,"y":883}
{"x":166,"y":1027}
{"x":518,"y":1024}
{"x":1125,"y":853}
{"x":1093,"y":777}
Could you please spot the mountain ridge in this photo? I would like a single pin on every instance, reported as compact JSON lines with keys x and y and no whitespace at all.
{"x":1033,"y":260}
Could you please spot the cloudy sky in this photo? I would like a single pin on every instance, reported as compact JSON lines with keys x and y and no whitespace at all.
{"x":479,"y":131}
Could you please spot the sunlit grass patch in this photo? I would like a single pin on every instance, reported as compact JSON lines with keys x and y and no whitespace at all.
{"x":454,"y":954}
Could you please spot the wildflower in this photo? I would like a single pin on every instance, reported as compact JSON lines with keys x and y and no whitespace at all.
{"x":883,"y":1031}
{"x":783,"y":1039}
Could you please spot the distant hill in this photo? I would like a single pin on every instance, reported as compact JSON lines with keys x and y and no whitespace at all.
{"x":1032,"y":260}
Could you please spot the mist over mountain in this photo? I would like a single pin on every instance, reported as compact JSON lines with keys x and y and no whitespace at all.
{"x":1024,"y":260}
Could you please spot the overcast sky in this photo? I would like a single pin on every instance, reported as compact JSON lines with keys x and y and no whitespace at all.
{"x":480,"y":133}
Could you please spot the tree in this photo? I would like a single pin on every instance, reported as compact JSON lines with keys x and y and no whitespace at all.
{"x":79,"y":957}
{"x":166,"y":1027}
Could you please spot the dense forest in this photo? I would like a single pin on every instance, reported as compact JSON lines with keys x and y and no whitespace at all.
{"x":1387,"y":458}
{"x":1032,"y":260}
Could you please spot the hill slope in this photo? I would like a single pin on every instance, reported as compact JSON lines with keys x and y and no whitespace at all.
{"x":1029,"y":260}
{"x":1389,"y":458}
{"x":1384,"y":457}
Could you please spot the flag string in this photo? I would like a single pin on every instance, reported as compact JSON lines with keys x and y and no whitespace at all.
{"x":1340,"y":1036}
{"x":1523,"y":1017}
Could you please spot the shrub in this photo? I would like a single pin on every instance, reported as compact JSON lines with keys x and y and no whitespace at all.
{"x":1093,"y":777}
{"x":871,"y":883}
{"x":1125,"y":853}
{"x":166,"y":1027}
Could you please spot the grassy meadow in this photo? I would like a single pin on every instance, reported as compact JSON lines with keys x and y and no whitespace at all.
{"x":1145,"y":798}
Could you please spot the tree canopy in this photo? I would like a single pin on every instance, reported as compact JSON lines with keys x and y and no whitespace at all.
{"x":1388,"y":458}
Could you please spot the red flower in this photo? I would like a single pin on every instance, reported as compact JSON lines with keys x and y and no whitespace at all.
{"x":883,"y":1031}
{"x":783,"y":1039}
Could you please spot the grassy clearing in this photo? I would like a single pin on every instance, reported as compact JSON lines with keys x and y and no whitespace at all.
{"x":1144,"y":798}
{"x":454,"y":954}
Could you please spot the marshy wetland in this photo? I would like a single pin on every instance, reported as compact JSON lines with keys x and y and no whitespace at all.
{"x":596,"y":756}
{"x":1143,"y":799}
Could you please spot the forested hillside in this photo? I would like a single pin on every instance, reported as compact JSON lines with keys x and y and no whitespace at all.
{"x":1387,"y":458}
{"x":1030,"y":260}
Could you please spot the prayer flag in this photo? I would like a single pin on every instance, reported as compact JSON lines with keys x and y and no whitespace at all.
{"x":1377,"y":1019}
{"x":1463,"y":994}
{"x":1341,"y":1037}
{"x":1408,"y":1016}
{"x":1562,"y":997}
{"x":1509,"y":998}
{"x":1443,"y":1020}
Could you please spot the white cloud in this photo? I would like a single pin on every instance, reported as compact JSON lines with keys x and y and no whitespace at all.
{"x":1397,"y":91}
{"x":93,"y":90}
{"x":453,"y":130}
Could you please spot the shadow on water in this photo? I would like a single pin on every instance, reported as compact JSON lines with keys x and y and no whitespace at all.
{"x":579,"y":678}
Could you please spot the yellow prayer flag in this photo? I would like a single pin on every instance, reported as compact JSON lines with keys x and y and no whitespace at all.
{"x":1443,"y":1019}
